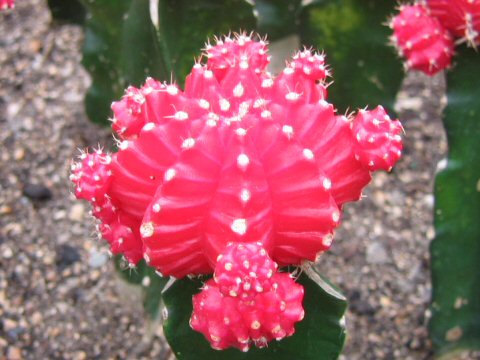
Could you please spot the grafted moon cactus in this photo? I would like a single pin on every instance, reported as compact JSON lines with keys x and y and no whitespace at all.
{"x":239,"y":156}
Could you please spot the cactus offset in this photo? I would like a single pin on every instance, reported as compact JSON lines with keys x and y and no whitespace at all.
{"x":259,"y":312}
{"x":421,"y":39}
{"x":379,"y":144}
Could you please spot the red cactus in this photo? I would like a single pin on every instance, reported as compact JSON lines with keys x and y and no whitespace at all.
{"x":239,"y":156}
{"x":422,"y":40}
{"x":7,"y":4}
{"x":461,"y":17}
{"x":255,"y":314}
{"x":379,"y":144}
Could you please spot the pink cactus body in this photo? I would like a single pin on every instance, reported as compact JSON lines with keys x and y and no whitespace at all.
{"x":379,"y":144}
{"x":7,"y":4}
{"x":238,"y":156}
{"x":461,"y":17}
{"x":266,"y":306}
{"x":422,"y":40}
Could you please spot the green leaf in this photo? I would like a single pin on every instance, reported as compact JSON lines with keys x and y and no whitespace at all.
{"x":67,"y":11}
{"x":123,"y":45}
{"x":366,"y":71}
{"x":186,"y":25}
{"x":455,"y":251}
{"x":145,"y":276}
{"x":120,"y":50}
{"x":276,"y":18}
{"x":320,"y":336}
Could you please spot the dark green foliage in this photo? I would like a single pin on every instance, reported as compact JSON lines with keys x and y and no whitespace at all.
{"x":124,"y":45}
{"x":67,"y":11}
{"x":455,"y":252}
{"x":151,"y":288}
{"x":320,"y":336}
{"x":352,"y":32}
{"x":278,"y":18}
{"x":120,"y":49}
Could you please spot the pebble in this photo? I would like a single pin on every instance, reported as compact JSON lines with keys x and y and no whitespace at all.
{"x":97,"y":259}
{"x":19,"y":154}
{"x":66,"y":256}
{"x":77,"y":212}
{"x":37,"y":192}
{"x":5,"y":210}
{"x":376,"y":253}
{"x":14,"y":353}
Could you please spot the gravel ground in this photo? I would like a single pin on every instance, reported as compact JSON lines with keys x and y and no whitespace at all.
{"x":59,"y":297}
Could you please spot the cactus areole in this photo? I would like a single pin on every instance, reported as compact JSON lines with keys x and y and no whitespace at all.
{"x":240,"y":165}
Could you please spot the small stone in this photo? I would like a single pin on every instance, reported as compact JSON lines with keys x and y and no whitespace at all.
{"x":7,"y":253}
{"x":5,"y":210}
{"x":97,"y":259}
{"x":36,"y":318}
{"x":19,"y":154}
{"x":14,"y":353}
{"x":77,"y":212}
{"x":66,"y":256}
{"x":376,"y":254}
{"x":37,"y":192}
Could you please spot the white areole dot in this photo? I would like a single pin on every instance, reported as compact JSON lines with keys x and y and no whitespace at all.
{"x":238,"y":90}
{"x":239,"y":226}
{"x":245,"y":195}
{"x":123,"y":145}
{"x":208,"y":74}
{"x":147,"y":229}
{"x":204,"y":104}
{"x":336,"y":216}
{"x":148,"y":126}
{"x":181,"y":116}
{"x":308,"y":154}
{"x":242,"y":161}
{"x":287,"y":130}
{"x":188,"y":143}
{"x":259,"y":102}
{"x":224,"y":105}
{"x":266,"y":114}
{"x":327,"y":183}
{"x":327,"y":240}
{"x":241,"y":132}
{"x":172,"y":89}
{"x":156,"y":208}
{"x":266,"y":83}
{"x":170,"y":174}
{"x":292,"y":96}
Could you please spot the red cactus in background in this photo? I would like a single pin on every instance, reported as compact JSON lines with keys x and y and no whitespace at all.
{"x":7,"y":4}
{"x":422,"y":40}
{"x":424,"y":32}
{"x":461,"y":17}
{"x":239,"y":156}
